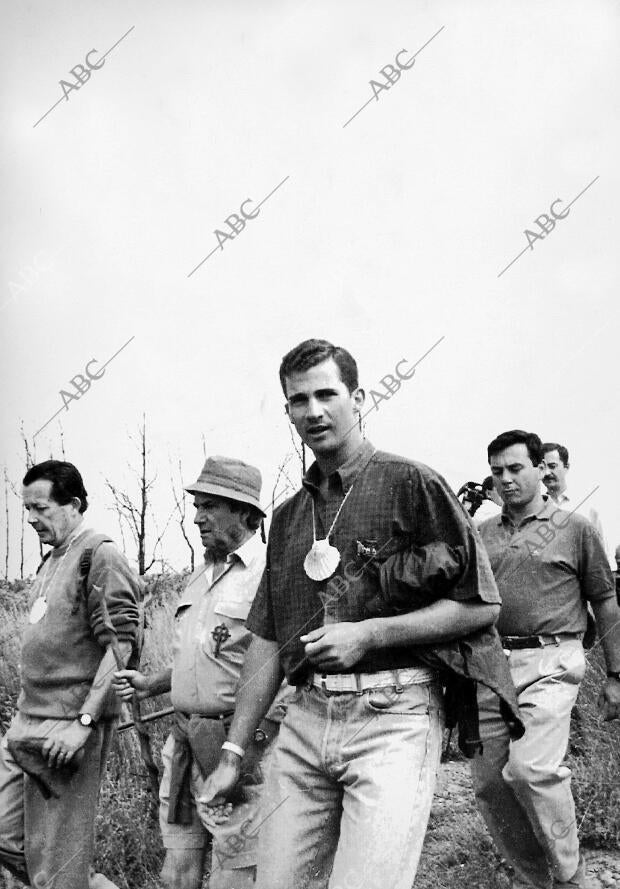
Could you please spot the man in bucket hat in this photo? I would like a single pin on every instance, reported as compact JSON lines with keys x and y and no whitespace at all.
{"x":209,"y":647}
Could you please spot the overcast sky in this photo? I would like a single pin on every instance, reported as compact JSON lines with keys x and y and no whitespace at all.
{"x":387,"y":235}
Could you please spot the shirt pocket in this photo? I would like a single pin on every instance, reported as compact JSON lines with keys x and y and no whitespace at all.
{"x":228,"y":625}
{"x":181,"y":610}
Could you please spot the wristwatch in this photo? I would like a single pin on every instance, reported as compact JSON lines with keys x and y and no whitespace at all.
{"x":614,"y":674}
{"x":86,"y":720}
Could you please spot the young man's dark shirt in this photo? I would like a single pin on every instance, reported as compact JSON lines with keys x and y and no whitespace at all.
{"x":426,"y":549}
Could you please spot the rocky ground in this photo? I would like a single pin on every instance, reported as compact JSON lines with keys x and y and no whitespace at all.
{"x":603,"y":870}
{"x":453,"y":803}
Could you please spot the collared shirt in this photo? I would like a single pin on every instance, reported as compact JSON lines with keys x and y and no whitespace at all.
{"x":399,"y":510}
{"x":547,"y":567}
{"x":204,"y":682}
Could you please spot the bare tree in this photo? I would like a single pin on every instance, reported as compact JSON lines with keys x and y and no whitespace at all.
{"x":282,"y":478}
{"x":30,"y":456}
{"x":179,"y":503}
{"x":134,"y":513}
{"x":22,"y":523}
{"x":300,"y":450}
{"x":6,"y":513}
{"x":30,"y":452}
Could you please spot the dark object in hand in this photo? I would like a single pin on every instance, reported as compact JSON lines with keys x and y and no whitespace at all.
{"x":28,"y":754}
{"x":471,"y":496}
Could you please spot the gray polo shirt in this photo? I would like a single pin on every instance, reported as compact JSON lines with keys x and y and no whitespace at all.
{"x":547,"y":568}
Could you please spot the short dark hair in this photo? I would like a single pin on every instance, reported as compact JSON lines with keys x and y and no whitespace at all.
{"x":312,"y":352}
{"x":554,"y":446}
{"x":253,"y":518}
{"x":517,"y":436}
{"x":66,"y":481}
{"x":487,"y":484}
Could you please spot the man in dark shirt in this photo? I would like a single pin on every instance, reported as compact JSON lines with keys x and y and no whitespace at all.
{"x":355,"y":765}
{"x":548,"y":564}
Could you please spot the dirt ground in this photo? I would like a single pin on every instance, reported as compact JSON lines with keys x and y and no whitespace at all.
{"x":454,"y":804}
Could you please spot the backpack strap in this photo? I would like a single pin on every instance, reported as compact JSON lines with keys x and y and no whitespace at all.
{"x":84,"y":566}
{"x":44,"y":560}
{"x":85,"y":562}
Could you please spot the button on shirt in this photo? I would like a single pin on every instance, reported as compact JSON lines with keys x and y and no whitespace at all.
{"x":394,"y":506}
{"x":546,"y":567}
{"x":201,"y":682}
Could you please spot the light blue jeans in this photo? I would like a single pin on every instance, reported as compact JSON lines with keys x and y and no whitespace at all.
{"x":349,"y":789}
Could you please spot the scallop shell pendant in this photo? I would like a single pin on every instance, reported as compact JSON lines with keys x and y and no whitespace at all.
{"x":322,"y":560}
{"x":37,"y":611}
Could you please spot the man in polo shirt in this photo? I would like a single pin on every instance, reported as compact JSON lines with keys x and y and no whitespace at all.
{"x":351,"y":780}
{"x":210,"y":643}
{"x":548,"y":565}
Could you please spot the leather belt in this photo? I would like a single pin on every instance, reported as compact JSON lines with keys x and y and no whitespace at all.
{"x":227,"y":715}
{"x":517,"y":642}
{"x":360,"y":682}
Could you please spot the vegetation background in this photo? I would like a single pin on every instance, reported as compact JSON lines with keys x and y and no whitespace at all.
{"x":457,"y":852}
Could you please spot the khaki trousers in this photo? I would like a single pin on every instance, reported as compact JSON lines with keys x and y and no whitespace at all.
{"x":234,"y":843}
{"x":523,"y":787}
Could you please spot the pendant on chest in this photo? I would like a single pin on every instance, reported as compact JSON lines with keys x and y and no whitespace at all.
{"x":322,"y":560}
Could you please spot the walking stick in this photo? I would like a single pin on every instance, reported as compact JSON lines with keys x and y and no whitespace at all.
{"x":150,"y":717}
{"x":144,"y":738}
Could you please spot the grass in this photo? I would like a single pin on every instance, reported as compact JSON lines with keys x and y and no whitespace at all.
{"x":457,"y":850}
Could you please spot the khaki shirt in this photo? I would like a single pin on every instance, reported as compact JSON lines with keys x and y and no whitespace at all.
{"x":201,"y":682}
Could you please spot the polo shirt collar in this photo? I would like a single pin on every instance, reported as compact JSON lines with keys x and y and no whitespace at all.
{"x":544,"y":513}
{"x":347,"y":473}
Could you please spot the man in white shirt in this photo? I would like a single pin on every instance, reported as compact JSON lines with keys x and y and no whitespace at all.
{"x":209,"y":647}
{"x":555,"y":461}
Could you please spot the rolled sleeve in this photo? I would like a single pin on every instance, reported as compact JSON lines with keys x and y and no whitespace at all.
{"x":111,"y":579}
